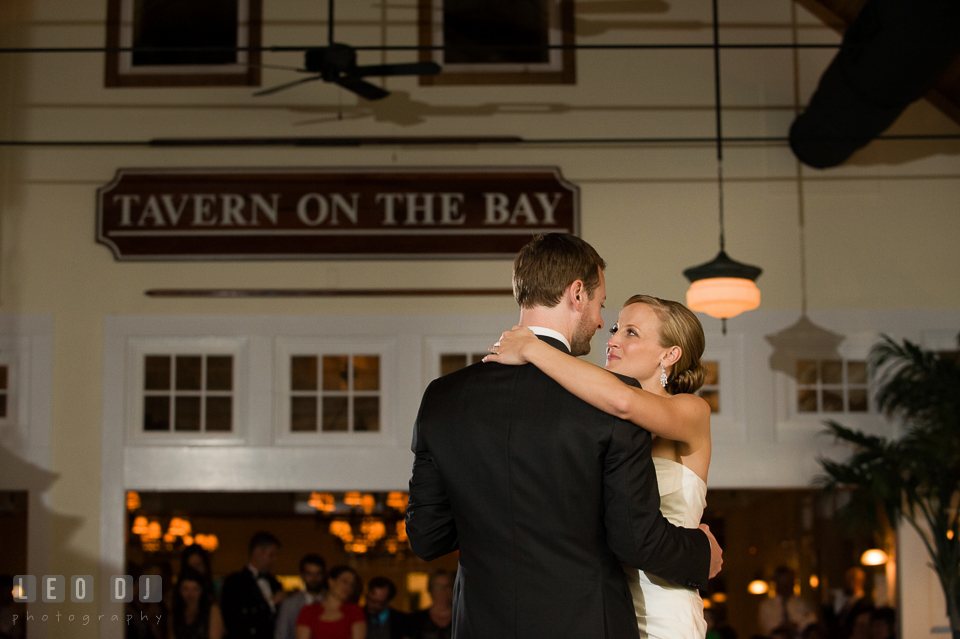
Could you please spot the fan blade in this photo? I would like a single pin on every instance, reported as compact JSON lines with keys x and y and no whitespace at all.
{"x":403,"y":68}
{"x":362,"y":88}
{"x":286,"y":85}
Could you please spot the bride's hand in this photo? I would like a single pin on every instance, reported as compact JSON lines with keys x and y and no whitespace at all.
{"x":510,"y":348}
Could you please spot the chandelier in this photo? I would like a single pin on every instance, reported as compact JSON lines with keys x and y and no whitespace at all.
{"x":178,"y":534}
{"x":367,"y":524}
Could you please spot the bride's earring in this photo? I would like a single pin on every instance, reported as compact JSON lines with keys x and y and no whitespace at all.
{"x":663,"y":375}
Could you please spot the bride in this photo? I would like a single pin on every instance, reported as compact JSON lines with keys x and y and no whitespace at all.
{"x":658,"y":342}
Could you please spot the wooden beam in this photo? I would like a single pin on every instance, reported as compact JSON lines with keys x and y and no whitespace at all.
{"x":231,"y":293}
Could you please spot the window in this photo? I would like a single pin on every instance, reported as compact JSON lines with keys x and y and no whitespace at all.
{"x":450,"y":362}
{"x":710,"y":390}
{"x":498,"y":41}
{"x":334,"y":393}
{"x":188,"y":393}
{"x":832,"y":386}
{"x":167,"y":28}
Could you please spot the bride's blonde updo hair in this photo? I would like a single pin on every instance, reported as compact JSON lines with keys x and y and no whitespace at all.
{"x":679,"y":327}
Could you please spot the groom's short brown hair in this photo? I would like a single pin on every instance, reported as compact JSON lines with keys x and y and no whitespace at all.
{"x":548,"y":264}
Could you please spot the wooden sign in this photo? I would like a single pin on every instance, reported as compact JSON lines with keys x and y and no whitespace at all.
{"x":360,"y":213}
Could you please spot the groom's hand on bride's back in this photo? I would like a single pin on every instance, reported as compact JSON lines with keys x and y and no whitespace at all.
{"x":716,"y":552}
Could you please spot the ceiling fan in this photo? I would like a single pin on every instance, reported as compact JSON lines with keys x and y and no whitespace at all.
{"x":337,"y":63}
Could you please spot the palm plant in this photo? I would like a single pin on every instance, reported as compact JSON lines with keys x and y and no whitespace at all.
{"x":914,"y":478}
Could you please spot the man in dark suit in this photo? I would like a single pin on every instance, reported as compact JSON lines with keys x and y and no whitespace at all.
{"x":383,"y":622}
{"x":542,"y":494}
{"x":250,"y":596}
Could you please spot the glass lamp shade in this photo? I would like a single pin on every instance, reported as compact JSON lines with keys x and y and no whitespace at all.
{"x":723,"y":288}
{"x":874,"y":557}
{"x":723,"y":297}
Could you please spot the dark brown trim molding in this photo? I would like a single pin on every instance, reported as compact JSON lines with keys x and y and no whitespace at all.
{"x":327,"y":292}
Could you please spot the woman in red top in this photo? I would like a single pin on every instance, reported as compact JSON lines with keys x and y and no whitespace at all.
{"x":334,"y":617}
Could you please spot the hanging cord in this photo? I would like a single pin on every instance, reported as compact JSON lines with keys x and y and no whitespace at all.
{"x":799,"y":169}
{"x":716,"y":87}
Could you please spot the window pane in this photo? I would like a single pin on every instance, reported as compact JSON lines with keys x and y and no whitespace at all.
{"x":219,"y":414}
{"x":858,"y":400}
{"x":856,"y":372}
{"x":303,"y":373}
{"x":806,"y":401}
{"x":187,"y":412}
{"x":366,"y":413}
{"x":831,"y":371}
{"x":188,"y":373}
{"x":303,"y":414}
{"x":833,"y":401}
{"x":366,"y":372}
{"x":335,"y":372}
{"x":806,"y":372}
{"x":219,"y":373}
{"x":477,"y":357}
{"x":713,"y":373}
{"x":156,"y":413}
{"x":3,"y":377}
{"x":3,"y":405}
{"x":156,"y":372}
{"x":713,"y":398}
{"x":451,"y":363}
{"x":335,"y":413}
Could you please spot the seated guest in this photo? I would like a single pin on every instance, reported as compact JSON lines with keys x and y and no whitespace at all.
{"x":193,"y":613}
{"x":435,"y":621}
{"x":383,"y":622}
{"x":336,"y":617}
{"x":313,"y":572}
{"x":250,"y":596}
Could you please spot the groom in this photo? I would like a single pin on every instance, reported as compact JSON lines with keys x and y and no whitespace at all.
{"x":542,"y":494}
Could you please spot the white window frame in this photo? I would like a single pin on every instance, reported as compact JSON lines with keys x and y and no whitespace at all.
{"x":287,"y":347}
{"x":138,"y":348}
{"x":794,"y":426}
{"x":435,"y":346}
{"x":844,"y":387}
{"x":729,"y":424}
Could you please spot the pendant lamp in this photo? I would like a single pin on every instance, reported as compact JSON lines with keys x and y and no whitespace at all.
{"x":722,"y":287}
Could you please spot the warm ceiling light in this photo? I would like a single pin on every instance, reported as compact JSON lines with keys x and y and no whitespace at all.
{"x":873,"y":557}
{"x":758,"y":587}
{"x":707,"y":604}
{"x":719,"y":292}
{"x":949,"y":534}
{"x":324,"y":502}
{"x":133,"y":500}
{"x":719,"y":597}
{"x":814,"y":581}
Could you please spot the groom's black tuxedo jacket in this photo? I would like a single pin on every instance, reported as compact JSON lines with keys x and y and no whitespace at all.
{"x":543,"y":495}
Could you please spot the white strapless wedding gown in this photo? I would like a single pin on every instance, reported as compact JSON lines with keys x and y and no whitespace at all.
{"x":666,"y":610}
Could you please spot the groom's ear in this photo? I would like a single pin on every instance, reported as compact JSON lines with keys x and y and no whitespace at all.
{"x":578,"y":294}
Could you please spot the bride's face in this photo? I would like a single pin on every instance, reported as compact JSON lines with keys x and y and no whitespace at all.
{"x":634,"y":347}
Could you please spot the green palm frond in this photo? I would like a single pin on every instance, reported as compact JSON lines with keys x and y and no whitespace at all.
{"x":916,"y":476}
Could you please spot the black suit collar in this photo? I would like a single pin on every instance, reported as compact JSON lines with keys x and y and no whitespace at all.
{"x":552,"y":341}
